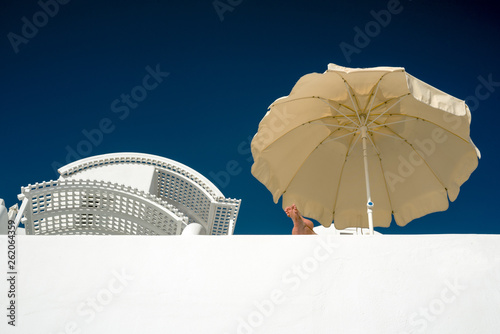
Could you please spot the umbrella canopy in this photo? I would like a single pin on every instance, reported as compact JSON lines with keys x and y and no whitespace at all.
{"x":351,"y":141}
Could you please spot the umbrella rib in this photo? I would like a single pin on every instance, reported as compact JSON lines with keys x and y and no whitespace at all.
{"x":386,"y":189}
{"x":291,"y":100}
{"x":319,"y":98}
{"x":329,"y":140}
{"x":304,"y":161}
{"x":308,"y":122}
{"x":340,"y":178}
{"x":372,"y":97}
{"x":380,"y":105}
{"x":345,"y":82}
{"x":337,"y":126}
{"x":421,"y":157}
{"x":374,"y":146}
{"x":385,"y":134}
{"x":397,"y":102}
{"x":307,"y":97}
{"x":349,"y":90}
{"x":379,"y":125}
{"x":347,"y":107}
{"x":450,"y":132}
{"x":328,"y":103}
{"x":353,"y":145}
{"x":351,"y":94}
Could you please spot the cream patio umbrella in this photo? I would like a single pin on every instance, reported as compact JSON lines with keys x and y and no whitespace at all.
{"x":357,"y":146}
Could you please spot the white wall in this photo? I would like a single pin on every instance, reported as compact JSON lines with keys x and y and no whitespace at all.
{"x":255,"y":284}
{"x":4,"y":217}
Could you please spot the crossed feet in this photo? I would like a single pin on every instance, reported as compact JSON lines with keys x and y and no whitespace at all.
{"x":301,"y":225}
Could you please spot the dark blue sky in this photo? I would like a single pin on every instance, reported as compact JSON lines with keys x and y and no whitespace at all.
{"x":71,"y":75}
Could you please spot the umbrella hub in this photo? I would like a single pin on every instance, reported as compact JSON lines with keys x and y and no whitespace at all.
{"x":363,"y":120}
{"x":364,"y":131}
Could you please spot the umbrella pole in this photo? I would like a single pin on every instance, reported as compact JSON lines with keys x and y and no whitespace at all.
{"x":369,"y":203}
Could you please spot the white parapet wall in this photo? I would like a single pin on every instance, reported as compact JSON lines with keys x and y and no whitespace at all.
{"x":254,"y":284}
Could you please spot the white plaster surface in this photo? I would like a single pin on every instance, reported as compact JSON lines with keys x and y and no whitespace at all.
{"x":255,"y":284}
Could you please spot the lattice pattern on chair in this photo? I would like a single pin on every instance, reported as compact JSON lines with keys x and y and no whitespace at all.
{"x":225,"y":211}
{"x":96,"y":207}
{"x":176,"y":187}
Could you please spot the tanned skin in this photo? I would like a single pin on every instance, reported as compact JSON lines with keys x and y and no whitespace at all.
{"x":301,"y":225}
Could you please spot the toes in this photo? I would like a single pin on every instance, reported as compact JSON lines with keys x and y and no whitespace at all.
{"x":287,"y":211}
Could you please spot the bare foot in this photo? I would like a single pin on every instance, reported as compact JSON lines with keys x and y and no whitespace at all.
{"x":301,"y":225}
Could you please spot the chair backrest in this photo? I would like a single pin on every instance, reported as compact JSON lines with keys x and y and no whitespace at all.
{"x":97,"y":207}
{"x":217,"y":214}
